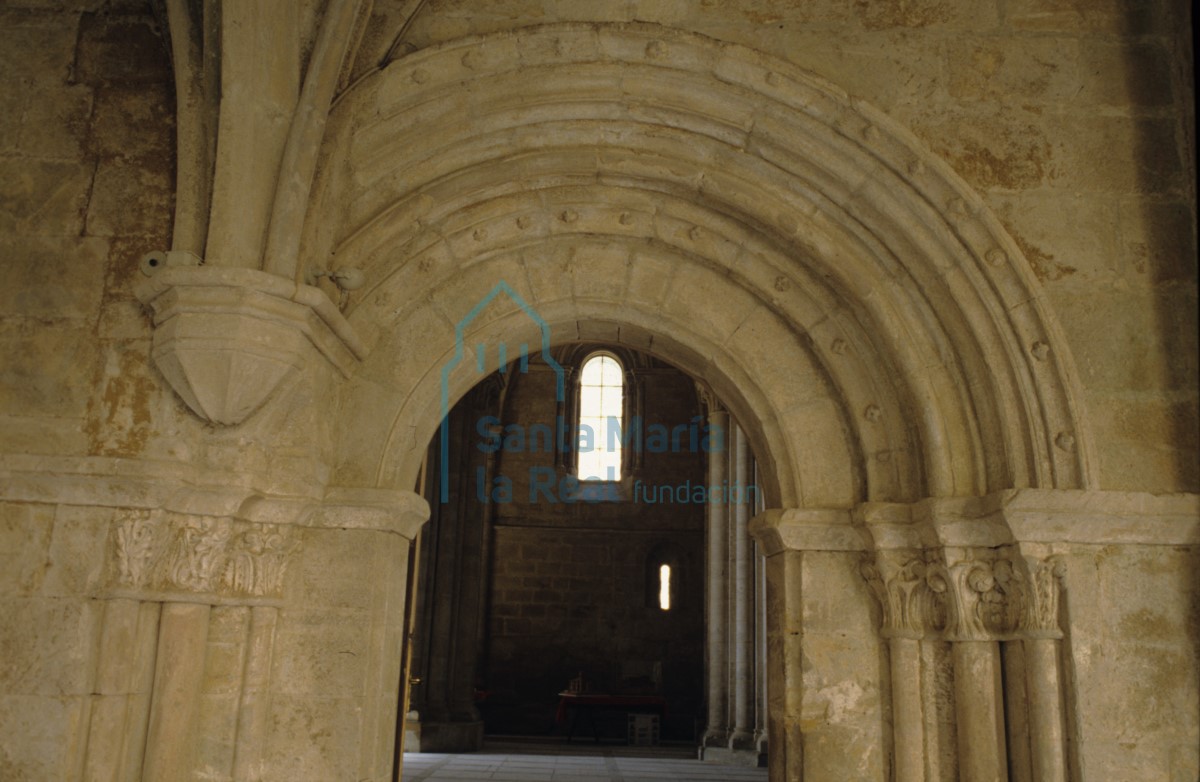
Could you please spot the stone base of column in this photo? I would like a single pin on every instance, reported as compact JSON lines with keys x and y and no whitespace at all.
{"x":443,"y":736}
{"x":733,"y":757}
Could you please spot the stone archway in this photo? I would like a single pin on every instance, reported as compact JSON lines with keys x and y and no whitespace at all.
{"x":874,"y":330}
{"x":633,"y":154}
{"x":877,"y":332}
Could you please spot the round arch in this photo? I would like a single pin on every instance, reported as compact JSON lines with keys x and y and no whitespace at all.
{"x":844,"y":291}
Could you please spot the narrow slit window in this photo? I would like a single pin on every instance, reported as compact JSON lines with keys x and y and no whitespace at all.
{"x":601,"y":419}
{"x":664,"y":587}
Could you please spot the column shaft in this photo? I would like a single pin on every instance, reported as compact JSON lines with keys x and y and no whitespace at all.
{"x":907,"y":716}
{"x":742,"y":594}
{"x":718,"y":533}
{"x":981,"y":746}
{"x":1045,"y":710}
{"x":253,"y":704}
{"x":760,"y":667}
{"x":178,"y":677}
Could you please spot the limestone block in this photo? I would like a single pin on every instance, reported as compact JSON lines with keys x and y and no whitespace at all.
{"x":1025,"y":69}
{"x":52,"y":277}
{"x":39,"y":435}
{"x":128,"y":409}
{"x":217,"y":718}
{"x":25,"y":534}
{"x":313,"y":738}
{"x":693,"y":284}
{"x":36,"y":50}
{"x":1156,"y":240}
{"x":48,"y":646}
{"x":1116,"y":337}
{"x":127,"y":199}
{"x":600,"y":271}
{"x":38,"y":736}
{"x":929,"y":14}
{"x":120,"y":48}
{"x":321,"y":653}
{"x":1001,"y":149}
{"x":1035,"y":220}
{"x":828,"y":477}
{"x":55,"y":122}
{"x":1118,"y":154}
{"x":328,"y":572}
{"x":76,"y":556}
{"x":1135,"y":672}
{"x":47,"y":368}
{"x":1125,"y":74}
{"x":1120,"y":17}
{"x":133,"y":124}
{"x":224,"y":659}
{"x":1146,"y":443}
{"x":43,"y":197}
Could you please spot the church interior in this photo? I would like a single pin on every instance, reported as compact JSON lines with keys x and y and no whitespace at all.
{"x":802,"y":386}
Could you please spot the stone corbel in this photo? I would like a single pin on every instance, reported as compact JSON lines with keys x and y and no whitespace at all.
{"x":225,"y":338}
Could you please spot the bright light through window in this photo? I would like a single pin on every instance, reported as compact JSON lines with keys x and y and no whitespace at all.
{"x":601,"y":409}
{"x":664,"y":587}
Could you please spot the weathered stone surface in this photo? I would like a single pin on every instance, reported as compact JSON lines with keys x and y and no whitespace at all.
{"x":938,"y":258}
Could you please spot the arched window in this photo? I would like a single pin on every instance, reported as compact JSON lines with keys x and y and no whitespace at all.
{"x":663,"y":577}
{"x":601,"y":418}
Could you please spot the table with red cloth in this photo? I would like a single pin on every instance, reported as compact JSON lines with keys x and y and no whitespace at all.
{"x":590,"y":703}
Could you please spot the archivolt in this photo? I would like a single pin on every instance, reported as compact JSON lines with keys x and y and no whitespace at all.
{"x":789,"y":242}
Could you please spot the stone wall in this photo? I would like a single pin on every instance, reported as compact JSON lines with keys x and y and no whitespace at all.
{"x":1071,"y":119}
{"x":569,"y":585}
{"x":86,"y":186}
{"x":87,"y":147}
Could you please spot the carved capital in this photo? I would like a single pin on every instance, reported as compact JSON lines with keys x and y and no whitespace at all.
{"x":983,"y":594}
{"x":709,"y":399}
{"x":160,"y":552}
{"x":226,"y":338}
{"x":1040,"y":617}
{"x":899,"y":580}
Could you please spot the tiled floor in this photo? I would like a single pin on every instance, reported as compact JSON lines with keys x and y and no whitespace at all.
{"x":585,"y":764}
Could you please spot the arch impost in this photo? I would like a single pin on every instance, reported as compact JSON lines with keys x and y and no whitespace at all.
{"x":991,"y":567}
{"x":1033,"y":516}
{"x":805,"y":529}
{"x":225,"y":338}
{"x":383,"y":510}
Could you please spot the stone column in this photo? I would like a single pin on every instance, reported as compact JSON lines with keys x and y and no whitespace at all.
{"x":178,"y":677}
{"x":125,"y":676}
{"x":977,"y":586}
{"x":898,"y":579}
{"x":716,"y":734}
{"x":760,"y":655}
{"x":1042,"y":643}
{"x":742,"y":595}
{"x":254,"y":702}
